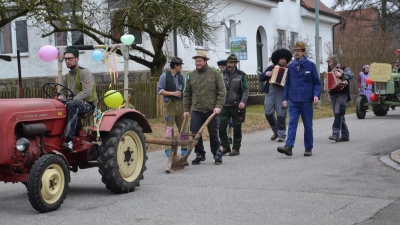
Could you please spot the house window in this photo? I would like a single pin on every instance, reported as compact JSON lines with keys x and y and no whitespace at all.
{"x":68,"y":38}
{"x":293,"y":38}
{"x":13,"y":37}
{"x":229,"y":32}
{"x":280,"y":42}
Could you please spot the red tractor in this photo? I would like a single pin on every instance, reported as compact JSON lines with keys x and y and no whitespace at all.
{"x":31,"y":135}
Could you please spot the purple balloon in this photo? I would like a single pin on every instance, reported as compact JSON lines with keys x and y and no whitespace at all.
{"x":48,"y":53}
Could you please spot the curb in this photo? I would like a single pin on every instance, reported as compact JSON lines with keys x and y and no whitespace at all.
{"x":395,"y":156}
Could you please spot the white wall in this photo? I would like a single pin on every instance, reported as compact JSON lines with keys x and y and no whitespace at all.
{"x":287,"y":16}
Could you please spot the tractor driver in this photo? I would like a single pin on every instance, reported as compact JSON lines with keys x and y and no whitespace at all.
{"x":81,"y":82}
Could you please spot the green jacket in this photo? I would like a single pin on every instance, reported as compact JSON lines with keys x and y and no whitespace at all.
{"x":204,"y":91}
{"x":81,"y":82}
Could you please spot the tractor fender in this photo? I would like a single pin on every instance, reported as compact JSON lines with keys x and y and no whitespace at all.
{"x":55,"y":152}
{"x":111,"y":117}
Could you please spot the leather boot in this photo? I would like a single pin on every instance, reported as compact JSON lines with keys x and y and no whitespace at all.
{"x":198,"y":159}
{"x":234,"y":152}
{"x":224,"y":151}
{"x":287,"y":150}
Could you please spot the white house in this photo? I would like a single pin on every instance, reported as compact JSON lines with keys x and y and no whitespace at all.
{"x":264,"y":23}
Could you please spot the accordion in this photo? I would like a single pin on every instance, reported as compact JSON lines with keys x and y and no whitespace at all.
{"x":334,"y":83}
{"x":278,"y":76}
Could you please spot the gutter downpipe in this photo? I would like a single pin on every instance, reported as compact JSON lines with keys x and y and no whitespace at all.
{"x":333,"y":33}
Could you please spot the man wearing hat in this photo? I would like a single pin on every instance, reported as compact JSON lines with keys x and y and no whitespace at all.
{"x":204,"y":94}
{"x":339,"y":100}
{"x":229,"y":130}
{"x":222,"y":65}
{"x":302,"y":89}
{"x":274,"y":92}
{"x":81,"y":82}
{"x":237,"y":92}
{"x":171,"y":86}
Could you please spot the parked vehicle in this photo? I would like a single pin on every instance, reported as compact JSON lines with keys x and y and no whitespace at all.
{"x":386,"y":91}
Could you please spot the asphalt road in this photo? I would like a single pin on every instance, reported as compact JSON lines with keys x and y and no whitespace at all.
{"x":342,"y":183}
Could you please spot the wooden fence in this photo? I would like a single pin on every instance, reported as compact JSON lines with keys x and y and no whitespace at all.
{"x":143,"y":99}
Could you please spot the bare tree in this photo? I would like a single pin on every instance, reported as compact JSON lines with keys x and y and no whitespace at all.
{"x":281,"y":41}
{"x":105,"y":21}
{"x":11,"y":10}
{"x":377,"y":46}
{"x":388,"y":11}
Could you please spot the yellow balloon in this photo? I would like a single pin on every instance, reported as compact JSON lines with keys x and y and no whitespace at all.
{"x":113,"y":100}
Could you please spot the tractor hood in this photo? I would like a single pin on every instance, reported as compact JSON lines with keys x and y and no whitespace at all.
{"x":49,"y":112}
{"x":28,"y":109}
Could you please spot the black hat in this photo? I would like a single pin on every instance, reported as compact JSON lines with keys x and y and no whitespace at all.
{"x":221,"y":63}
{"x":176,"y":60}
{"x":232,"y":58}
{"x":72,"y":49}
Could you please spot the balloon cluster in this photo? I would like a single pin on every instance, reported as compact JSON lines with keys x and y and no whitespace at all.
{"x":97,"y":56}
{"x":48,"y":53}
{"x":373,"y":97}
{"x":113,"y":99}
{"x":127,"y":39}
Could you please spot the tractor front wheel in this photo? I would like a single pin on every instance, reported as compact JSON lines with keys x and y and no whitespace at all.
{"x":48,"y":183}
{"x":360,"y":108}
{"x":122,"y":159}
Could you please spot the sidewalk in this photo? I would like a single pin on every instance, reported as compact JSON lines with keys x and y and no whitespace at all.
{"x":395,"y":156}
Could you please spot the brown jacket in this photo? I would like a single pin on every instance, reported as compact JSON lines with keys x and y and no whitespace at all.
{"x":205,"y":90}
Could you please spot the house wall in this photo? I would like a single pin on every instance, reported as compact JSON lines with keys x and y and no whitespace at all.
{"x":286,"y":16}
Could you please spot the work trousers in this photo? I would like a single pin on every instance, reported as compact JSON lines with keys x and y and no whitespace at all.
{"x":173,"y":115}
{"x":224,"y":116}
{"x":306,"y":111}
{"x":339,"y":127}
{"x":76,"y":108}
{"x":272,"y":104}
{"x":197,"y":120}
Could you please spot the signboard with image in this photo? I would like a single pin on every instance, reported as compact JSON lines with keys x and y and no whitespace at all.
{"x":238,"y":47}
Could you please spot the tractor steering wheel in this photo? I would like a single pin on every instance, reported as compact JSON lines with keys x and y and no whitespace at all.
{"x":53,"y":86}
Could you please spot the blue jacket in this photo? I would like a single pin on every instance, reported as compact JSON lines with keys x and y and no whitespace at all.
{"x":302,"y":82}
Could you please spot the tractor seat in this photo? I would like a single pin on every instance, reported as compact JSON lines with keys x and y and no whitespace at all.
{"x":87,"y":114}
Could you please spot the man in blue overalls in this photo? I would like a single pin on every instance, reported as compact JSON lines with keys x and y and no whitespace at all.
{"x":302,"y":88}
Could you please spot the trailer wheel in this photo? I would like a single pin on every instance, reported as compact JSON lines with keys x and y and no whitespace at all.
{"x":48,"y":183}
{"x":380,"y":110}
{"x":361,"y":110}
{"x":122,"y":159}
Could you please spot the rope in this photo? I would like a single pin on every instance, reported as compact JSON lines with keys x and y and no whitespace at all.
{"x":98,"y":117}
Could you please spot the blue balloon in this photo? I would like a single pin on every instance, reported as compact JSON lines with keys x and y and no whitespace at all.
{"x":97,"y":56}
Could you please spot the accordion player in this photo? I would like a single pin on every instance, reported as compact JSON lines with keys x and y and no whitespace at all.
{"x":278,"y":76}
{"x":334,"y":83}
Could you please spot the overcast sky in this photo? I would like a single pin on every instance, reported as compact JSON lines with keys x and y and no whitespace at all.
{"x":328,"y":3}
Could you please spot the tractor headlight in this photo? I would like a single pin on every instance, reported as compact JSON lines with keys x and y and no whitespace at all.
{"x":22,"y":144}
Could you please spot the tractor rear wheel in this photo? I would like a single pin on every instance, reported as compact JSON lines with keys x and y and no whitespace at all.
{"x":122,"y":159}
{"x":380,"y":110}
{"x":48,"y":183}
{"x":360,"y":108}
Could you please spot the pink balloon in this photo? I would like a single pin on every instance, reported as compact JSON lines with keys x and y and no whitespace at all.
{"x":48,"y":53}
